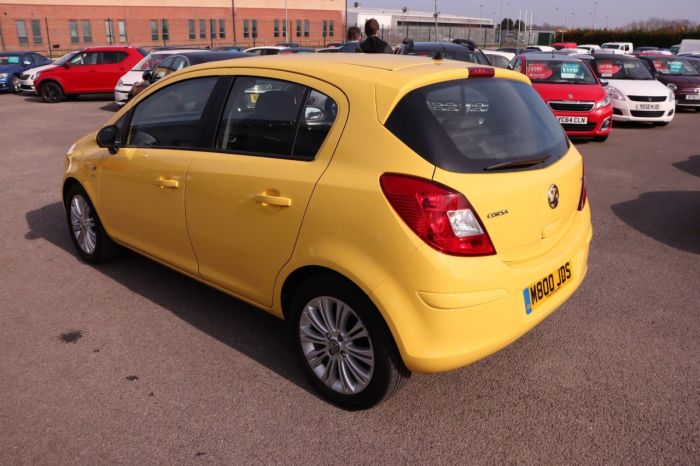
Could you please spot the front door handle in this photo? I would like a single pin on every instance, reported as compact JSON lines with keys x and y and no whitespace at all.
{"x":266,"y":199}
{"x":167,"y":183}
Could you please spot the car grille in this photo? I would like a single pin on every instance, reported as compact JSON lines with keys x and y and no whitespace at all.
{"x":646,"y":114}
{"x":571,"y":106}
{"x":586,"y":127}
{"x":647,"y":98}
{"x":24,"y":77}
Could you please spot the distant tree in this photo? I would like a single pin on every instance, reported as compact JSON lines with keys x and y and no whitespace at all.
{"x":519,"y":24}
{"x":507,"y":23}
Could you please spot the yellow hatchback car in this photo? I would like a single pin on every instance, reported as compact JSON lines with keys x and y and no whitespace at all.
{"x":401,"y":213}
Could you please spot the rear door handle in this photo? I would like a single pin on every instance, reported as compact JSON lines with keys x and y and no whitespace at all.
{"x":167,"y":183}
{"x":266,"y":199}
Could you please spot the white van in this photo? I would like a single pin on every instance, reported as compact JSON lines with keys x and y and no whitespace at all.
{"x":689,"y":45}
{"x":621,"y":47}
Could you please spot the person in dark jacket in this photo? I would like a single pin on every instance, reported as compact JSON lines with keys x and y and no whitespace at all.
{"x":373,"y":44}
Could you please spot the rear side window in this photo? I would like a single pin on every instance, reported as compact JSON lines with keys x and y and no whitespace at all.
{"x":112,"y":57}
{"x":275,"y":118}
{"x":467,"y":126}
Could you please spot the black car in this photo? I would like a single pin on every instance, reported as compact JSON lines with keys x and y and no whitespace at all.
{"x":447,"y":50}
{"x":179,"y":61}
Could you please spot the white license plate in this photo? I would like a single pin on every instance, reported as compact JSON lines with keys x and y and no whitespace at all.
{"x":648,"y":106}
{"x":572,"y":120}
{"x":692,"y":97}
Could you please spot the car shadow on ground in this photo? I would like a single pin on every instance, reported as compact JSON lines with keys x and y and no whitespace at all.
{"x":692,"y":166}
{"x":671,"y":217}
{"x":257,"y":334}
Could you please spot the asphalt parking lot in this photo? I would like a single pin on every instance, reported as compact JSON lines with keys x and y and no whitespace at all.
{"x":162,"y":369}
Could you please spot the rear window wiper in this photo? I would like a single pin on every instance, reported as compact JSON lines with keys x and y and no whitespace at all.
{"x":516,"y":163}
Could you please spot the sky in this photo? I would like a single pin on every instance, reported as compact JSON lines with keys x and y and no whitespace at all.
{"x":615,"y":12}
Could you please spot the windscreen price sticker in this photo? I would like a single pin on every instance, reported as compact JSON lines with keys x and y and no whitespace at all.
{"x":538,"y":71}
{"x":608,"y":68}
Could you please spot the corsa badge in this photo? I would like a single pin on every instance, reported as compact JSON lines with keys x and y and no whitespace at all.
{"x":553,"y":196}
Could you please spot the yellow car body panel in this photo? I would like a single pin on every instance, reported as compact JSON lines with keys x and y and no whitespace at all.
{"x":443,"y":311}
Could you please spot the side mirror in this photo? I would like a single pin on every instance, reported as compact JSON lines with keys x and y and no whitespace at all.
{"x":604,"y":82}
{"x":67,"y":65}
{"x":26,"y":63}
{"x":147,"y":75}
{"x":107,"y":138}
{"x":314,"y":115}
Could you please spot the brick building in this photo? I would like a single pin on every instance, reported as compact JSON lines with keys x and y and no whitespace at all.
{"x":54,"y":26}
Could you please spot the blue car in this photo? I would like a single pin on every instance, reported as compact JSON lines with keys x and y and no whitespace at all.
{"x":13,"y":64}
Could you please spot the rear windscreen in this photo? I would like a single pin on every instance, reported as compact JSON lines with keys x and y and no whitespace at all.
{"x":469,"y":125}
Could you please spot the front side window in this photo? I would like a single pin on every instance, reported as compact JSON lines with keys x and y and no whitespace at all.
{"x":85,"y":58}
{"x":21,"y":32}
{"x":87,"y":31}
{"x":154,"y":29}
{"x":172,"y":116}
{"x":73,"y":28}
{"x":36,"y":31}
{"x":275,"y":118}
{"x":472,"y":125}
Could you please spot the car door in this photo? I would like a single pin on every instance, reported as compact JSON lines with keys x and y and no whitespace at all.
{"x":143,"y":184}
{"x":110,"y":68}
{"x":80,"y":74}
{"x":246,"y":199}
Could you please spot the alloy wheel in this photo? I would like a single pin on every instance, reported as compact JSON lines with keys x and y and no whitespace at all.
{"x":83,"y":224}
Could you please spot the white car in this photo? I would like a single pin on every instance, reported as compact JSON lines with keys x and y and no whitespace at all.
{"x":618,"y":47}
{"x":277,"y":50}
{"x":150,"y":61}
{"x":26,"y":82}
{"x":591,"y":48}
{"x":541,"y":48}
{"x":635,"y":94}
{"x":497,"y":58}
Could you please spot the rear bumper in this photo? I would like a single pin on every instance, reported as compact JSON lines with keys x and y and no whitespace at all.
{"x":477,"y":305}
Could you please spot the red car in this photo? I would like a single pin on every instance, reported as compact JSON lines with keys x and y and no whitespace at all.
{"x":573,"y":92}
{"x":94,"y":70}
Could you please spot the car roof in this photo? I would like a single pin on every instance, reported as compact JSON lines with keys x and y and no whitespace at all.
{"x":391,"y":76}
{"x":550,"y":56}
{"x":197,"y":57}
{"x":101,"y":48}
{"x":439,"y":46}
{"x":21,"y":52}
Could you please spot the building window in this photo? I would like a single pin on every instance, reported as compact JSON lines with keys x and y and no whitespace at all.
{"x":325,"y":28}
{"x":165,"y":29}
{"x":284,"y":29}
{"x":202,"y":29}
{"x":246,"y":32}
{"x":331,"y":31}
{"x":255,"y":28}
{"x":298,"y":28}
{"x":212,"y":28}
{"x":109,"y":31}
{"x":154,"y":29}
{"x":277,"y":28}
{"x":307,"y":26}
{"x":21,"y":31}
{"x":190,"y":26}
{"x":36,"y":31}
{"x":222,"y":29}
{"x":73,"y":28}
{"x":87,"y":31}
{"x":122,"y":30}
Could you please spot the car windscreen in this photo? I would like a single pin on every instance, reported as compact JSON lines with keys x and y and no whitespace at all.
{"x":611,"y":68}
{"x":472,"y":125}
{"x":150,"y":61}
{"x":559,"y":72}
{"x":9,"y":59}
{"x":673,"y":67}
{"x":610,"y":46}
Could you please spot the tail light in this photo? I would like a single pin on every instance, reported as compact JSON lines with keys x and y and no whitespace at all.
{"x":481,"y":72}
{"x":582,"y":198}
{"x":440,"y":216}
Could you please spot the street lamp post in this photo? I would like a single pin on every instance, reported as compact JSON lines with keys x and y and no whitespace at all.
{"x":595,"y":4}
{"x":435,"y":15}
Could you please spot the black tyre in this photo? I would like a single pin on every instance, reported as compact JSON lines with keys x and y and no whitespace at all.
{"x":15,"y":85}
{"x":89,"y":237}
{"x":600,"y":138}
{"x":343,"y":345}
{"x":660,"y":123}
{"x":51,"y":92}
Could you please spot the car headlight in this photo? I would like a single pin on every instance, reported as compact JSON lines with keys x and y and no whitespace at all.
{"x":671,"y":96}
{"x":36,"y":76}
{"x":615,"y":93}
{"x":603,"y":103}
{"x":672,"y":86}
{"x":120,"y":83}
{"x":3,"y":75}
